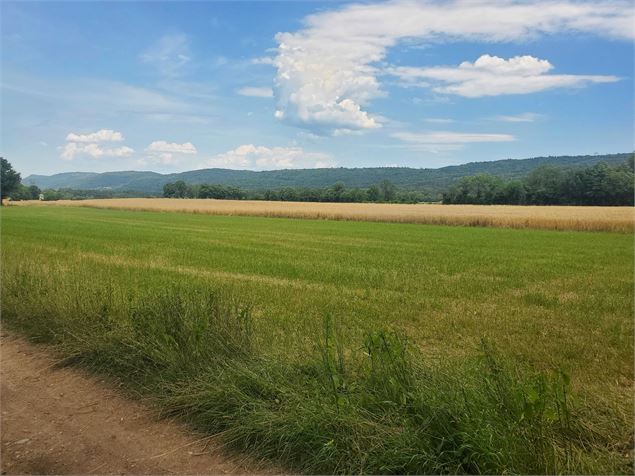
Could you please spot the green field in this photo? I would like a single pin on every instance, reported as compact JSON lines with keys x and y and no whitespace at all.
{"x":345,"y":346}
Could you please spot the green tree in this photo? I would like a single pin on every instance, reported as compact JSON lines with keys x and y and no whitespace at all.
{"x":178,"y":189}
{"x":21,"y":192}
{"x":476,"y":189}
{"x":387,"y":191}
{"x":338,"y":191}
{"x":546,"y":186}
{"x":34,"y":192}
{"x":514,"y":193}
{"x":288,"y":194}
{"x":50,"y":195}
{"x":10,"y":179}
{"x":373,"y":193}
{"x":169,"y":190}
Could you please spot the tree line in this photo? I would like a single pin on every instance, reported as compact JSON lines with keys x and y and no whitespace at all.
{"x":600,"y":184}
{"x":384,"y":192}
{"x":49,"y":194}
{"x":11,"y":186}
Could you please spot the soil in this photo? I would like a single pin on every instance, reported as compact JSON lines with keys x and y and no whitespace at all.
{"x":60,"y":420}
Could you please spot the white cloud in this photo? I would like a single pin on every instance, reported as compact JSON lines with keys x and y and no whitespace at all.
{"x":171,"y":147}
{"x":447,"y":137}
{"x":72,"y":150}
{"x":258,"y":92}
{"x":524,"y":117}
{"x":166,"y":153}
{"x":102,"y":135}
{"x":249,"y":156}
{"x":322,"y":84}
{"x":88,"y":145}
{"x":169,"y":55}
{"x":494,"y":76}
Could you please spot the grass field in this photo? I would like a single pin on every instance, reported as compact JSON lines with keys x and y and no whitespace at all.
{"x":345,"y":346}
{"x":620,"y":219}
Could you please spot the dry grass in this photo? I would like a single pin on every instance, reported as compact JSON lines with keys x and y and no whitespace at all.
{"x":620,"y":219}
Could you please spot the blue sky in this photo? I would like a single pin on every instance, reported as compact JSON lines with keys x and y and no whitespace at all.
{"x":173,"y":86}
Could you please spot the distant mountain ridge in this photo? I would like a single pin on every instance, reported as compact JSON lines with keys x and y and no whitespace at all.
{"x":429,"y":180}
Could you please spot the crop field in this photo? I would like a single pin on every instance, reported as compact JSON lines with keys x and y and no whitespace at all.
{"x":504,"y":216}
{"x":347,"y":346}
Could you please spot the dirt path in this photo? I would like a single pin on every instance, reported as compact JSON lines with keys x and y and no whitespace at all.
{"x":62,"y":421}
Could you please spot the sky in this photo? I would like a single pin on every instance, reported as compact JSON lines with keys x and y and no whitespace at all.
{"x":175,"y":86}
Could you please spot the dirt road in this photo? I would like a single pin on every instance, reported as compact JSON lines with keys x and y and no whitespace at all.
{"x":58,"y":420}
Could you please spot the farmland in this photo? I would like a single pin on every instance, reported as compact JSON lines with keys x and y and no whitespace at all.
{"x":504,"y":216}
{"x":347,"y":346}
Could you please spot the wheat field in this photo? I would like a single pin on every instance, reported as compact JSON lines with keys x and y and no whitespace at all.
{"x":620,"y":219}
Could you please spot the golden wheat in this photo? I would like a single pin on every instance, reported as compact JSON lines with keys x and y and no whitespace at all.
{"x":619,"y":219}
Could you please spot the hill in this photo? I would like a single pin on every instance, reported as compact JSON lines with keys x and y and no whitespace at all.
{"x":429,"y":180}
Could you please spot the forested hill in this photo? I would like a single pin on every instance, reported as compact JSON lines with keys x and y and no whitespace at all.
{"x":430,"y":180}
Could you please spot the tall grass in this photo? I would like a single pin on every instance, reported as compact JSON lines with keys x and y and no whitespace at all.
{"x":373,"y":406}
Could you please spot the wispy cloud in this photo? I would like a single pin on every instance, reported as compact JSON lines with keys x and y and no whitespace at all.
{"x":169,"y":55}
{"x":442,"y":141}
{"x":447,"y":137}
{"x":258,"y":92}
{"x":81,"y":98}
{"x":438,"y":120}
{"x":524,"y":117}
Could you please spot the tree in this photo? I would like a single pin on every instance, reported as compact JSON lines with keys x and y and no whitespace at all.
{"x":169,"y":190}
{"x":600,"y":184}
{"x":477,"y":189}
{"x":387,"y":190}
{"x":545,"y":186}
{"x":10,"y":179}
{"x":51,"y":195}
{"x":338,"y":191}
{"x":178,"y":189}
{"x":22,"y":192}
{"x":181,"y":189}
{"x":514,"y":193}
{"x":34,"y":192}
{"x":373,"y":193}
